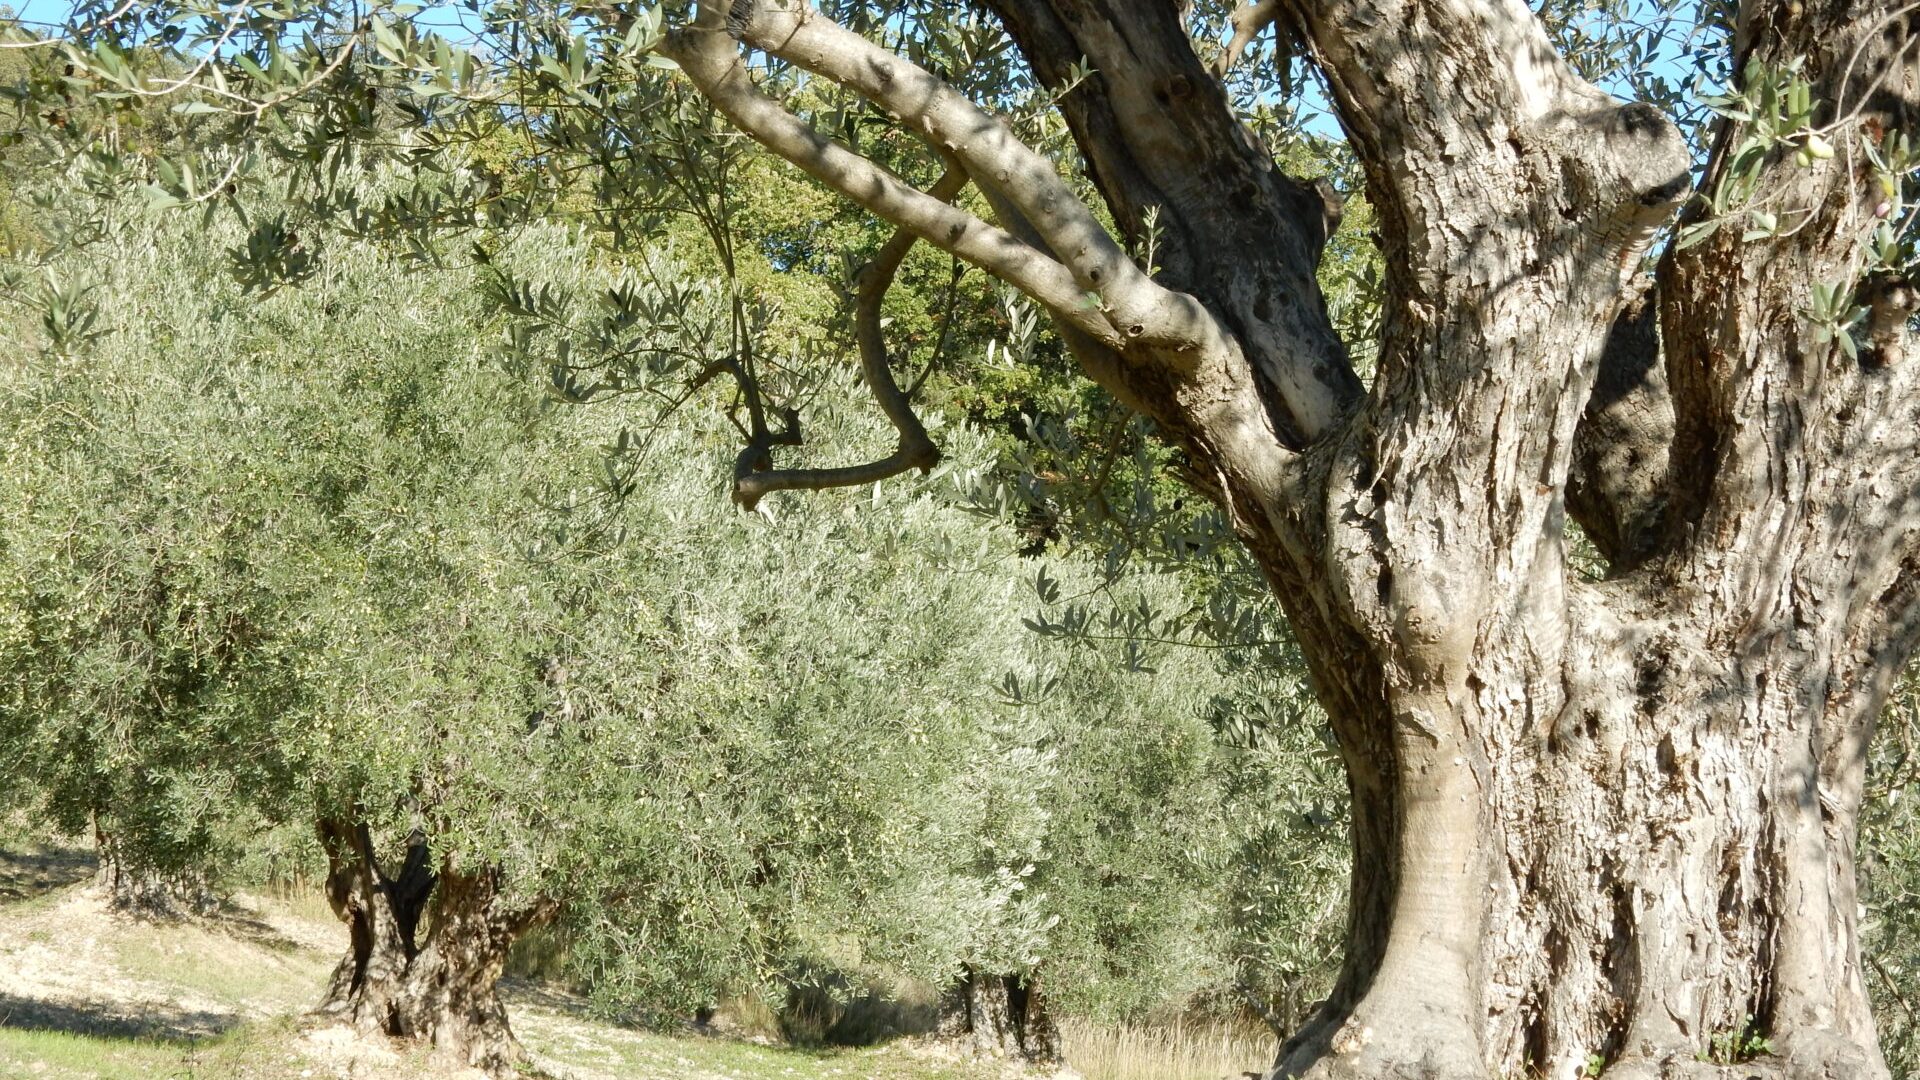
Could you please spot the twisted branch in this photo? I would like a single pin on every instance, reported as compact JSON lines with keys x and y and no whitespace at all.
{"x":709,"y":56}
{"x":754,"y":477}
{"x":1091,"y":282}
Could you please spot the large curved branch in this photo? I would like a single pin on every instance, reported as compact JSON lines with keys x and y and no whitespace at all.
{"x":709,"y":56}
{"x":754,"y":479}
{"x":803,"y":36}
{"x":1171,"y":158}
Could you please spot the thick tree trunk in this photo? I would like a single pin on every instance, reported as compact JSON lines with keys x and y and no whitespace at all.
{"x":1610,"y":825}
{"x":1596,"y":826}
{"x":442,"y":990}
{"x":1625,"y":855}
{"x":1001,"y":1016}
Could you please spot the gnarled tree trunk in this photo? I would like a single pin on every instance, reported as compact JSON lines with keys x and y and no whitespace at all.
{"x":1002,"y":1016}
{"x":1596,"y":824}
{"x":440,"y":989}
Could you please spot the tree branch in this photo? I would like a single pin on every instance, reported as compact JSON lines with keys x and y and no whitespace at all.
{"x":1248,"y":21}
{"x":1102,"y":363}
{"x":1463,"y":106}
{"x":802,"y":35}
{"x":1162,"y":141}
{"x":753,"y":475}
{"x":709,"y":56}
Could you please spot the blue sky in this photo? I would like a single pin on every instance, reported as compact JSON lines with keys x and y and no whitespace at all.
{"x":41,"y":11}
{"x":446,"y":17}
{"x":54,"y":12}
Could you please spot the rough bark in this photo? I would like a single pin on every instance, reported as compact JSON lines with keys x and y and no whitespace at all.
{"x":441,"y":989}
{"x":1001,"y":1016}
{"x":1592,"y":823}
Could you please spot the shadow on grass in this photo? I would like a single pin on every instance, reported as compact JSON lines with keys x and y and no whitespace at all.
{"x":241,"y":924}
{"x":517,"y":991}
{"x":114,"y":1020}
{"x":27,"y":874}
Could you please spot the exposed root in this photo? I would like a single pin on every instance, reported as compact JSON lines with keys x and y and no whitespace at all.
{"x":1817,"y":1054}
{"x":1403,"y":1044}
{"x":1808,"y":1055}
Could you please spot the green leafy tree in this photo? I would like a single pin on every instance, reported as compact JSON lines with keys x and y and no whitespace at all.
{"x":320,"y":557}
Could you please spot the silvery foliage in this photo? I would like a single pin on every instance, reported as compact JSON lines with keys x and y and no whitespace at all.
{"x":418,"y":576}
{"x":1074,"y":833}
{"x":1890,"y":877}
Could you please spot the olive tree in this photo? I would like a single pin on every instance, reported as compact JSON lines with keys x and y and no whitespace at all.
{"x":137,"y":644}
{"x":1593,"y":822}
{"x":321,"y":556}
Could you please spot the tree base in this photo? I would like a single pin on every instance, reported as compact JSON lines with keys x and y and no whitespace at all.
{"x":151,"y":894}
{"x":444,"y":997}
{"x":1002,"y":1016}
{"x":418,"y":1009}
{"x":444,"y":993}
{"x":1359,"y":1055}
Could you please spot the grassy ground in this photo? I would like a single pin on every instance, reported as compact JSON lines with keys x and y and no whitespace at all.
{"x":88,"y":995}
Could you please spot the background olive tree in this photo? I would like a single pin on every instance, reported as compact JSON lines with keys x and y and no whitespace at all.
{"x":338,"y":558}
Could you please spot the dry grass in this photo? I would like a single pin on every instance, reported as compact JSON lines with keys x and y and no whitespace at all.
{"x":1180,"y":1050}
{"x":301,"y":898}
{"x":89,"y":994}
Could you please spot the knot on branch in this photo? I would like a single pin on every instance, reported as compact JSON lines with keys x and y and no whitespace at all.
{"x":1651,"y":157}
{"x":739,"y":16}
{"x":1891,"y":301}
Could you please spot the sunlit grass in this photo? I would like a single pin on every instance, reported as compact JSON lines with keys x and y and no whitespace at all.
{"x":249,"y":1052}
{"x":645,"y":1055}
{"x":301,"y":899}
{"x":236,"y":964}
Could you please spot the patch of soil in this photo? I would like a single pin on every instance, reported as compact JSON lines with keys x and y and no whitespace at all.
{"x":41,"y":869}
{"x":58,"y":971}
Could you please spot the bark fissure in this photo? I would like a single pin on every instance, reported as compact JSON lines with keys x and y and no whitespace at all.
{"x":1617,"y":490}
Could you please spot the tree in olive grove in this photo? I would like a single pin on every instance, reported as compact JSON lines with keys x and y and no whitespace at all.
{"x":314,"y":559}
{"x":1594,"y":822}
{"x":1589,"y":820}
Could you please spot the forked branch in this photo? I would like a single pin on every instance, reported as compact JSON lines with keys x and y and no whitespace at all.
{"x":754,"y":477}
{"x":1248,"y":20}
{"x":1092,"y":283}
